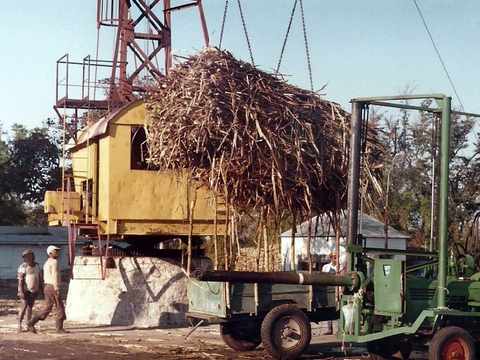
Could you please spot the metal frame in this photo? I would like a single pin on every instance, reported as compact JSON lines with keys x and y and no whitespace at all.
{"x":445,"y":109}
{"x":129,"y":37}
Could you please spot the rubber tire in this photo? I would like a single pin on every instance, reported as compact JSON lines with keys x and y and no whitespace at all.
{"x":406,"y":349}
{"x":377,"y":357}
{"x":240,"y":338}
{"x":445,"y":334}
{"x":381,"y":349}
{"x":268,"y":324}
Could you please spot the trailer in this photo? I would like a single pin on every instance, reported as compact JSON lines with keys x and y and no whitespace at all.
{"x":246,"y":311}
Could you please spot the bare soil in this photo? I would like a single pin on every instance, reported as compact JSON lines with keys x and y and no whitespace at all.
{"x":113,"y":343}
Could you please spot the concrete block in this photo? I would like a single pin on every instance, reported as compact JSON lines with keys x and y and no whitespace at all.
{"x":140,"y":292}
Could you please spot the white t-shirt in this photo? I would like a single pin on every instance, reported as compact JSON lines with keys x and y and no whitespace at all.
{"x":31,"y":275}
{"x":51,"y":274}
{"x":329,"y":268}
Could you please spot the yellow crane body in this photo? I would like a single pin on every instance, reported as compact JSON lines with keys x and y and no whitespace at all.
{"x":114,"y":186}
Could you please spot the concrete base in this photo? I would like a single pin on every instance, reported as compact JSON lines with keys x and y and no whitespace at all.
{"x":140,"y":292}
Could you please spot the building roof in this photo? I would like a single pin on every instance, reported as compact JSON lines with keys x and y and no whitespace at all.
{"x":100,"y":127}
{"x":25,"y":235}
{"x":369,"y":228}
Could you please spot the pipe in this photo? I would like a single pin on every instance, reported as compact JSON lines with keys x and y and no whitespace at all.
{"x":354,"y":177}
{"x":351,"y":280}
{"x":443,"y":200}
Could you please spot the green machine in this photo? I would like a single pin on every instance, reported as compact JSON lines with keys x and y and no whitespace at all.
{"x":433,"y":303}
{"x":386,"y":306}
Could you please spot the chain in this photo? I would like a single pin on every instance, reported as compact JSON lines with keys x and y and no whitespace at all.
{"x":223,"y":24}
{"x":246,"y":32}
{"x":286,"y":37}
{"x":307,"y":50}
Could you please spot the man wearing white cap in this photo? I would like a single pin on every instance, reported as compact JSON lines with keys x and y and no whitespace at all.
{"x":331,"y":267}
{"x":51,"y":276}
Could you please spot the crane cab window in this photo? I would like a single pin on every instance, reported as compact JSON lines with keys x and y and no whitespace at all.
{"x":139,"y":153}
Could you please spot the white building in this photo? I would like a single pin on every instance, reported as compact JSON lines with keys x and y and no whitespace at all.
{"x":15,"y":239}
{"x":323,"y":239}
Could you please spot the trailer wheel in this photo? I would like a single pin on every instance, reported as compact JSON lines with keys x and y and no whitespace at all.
{"x":240,"y":337}
{"x":381,"y":349}
{"x":452,"y":343}
{"x":386,"y":348}
{"x":286,"y":332}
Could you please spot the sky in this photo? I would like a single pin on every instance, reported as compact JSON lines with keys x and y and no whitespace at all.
{"x":358,"y":48}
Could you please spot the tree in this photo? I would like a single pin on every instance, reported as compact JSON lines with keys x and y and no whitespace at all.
{"x":412,"y":157}
{"x":29,"y":165}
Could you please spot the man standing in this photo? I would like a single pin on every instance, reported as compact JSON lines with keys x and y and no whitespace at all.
{"x":331,"y":267}
{"x":51,"y":275}
{"x":29,"y":283}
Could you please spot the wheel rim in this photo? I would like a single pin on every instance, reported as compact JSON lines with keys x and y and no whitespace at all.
{"x":455,"y":349}
{"x":287,"y":333}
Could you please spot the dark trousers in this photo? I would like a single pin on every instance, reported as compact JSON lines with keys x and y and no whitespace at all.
{"x":52,"y":299}
{"x":27,"y":306}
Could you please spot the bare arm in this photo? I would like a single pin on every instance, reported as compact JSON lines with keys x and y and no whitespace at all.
{"x":21,"y":285}
{"x":55,"y":275}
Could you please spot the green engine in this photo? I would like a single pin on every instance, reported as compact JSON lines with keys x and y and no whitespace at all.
{"x":394,"y":298}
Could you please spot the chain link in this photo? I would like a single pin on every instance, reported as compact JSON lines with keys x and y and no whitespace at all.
{"x":286,"y":37}
{"x":246,"y":32}
{"x":307,"y":50}
{"x":223,"y":24}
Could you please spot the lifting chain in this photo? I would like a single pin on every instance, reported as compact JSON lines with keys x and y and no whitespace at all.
{"x":246,"y":32}
{"x":307,"y":50}
{"x":223,"y":24}
{"x":286,"y":37}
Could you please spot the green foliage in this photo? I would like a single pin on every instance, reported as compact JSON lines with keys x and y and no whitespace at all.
{"x":12,"y":211}
{"x":411,"y":141}
{"x":29,"y":165}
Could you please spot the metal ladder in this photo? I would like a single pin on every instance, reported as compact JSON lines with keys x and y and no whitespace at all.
{"x":85,"y":228}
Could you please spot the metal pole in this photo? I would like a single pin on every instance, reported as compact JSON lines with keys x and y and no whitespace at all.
{"x":434,"y":164}
{"x":167,"y":18}
{"x":351,"y":280}
{"x":354,"y":177}
{"x":443,"y":200}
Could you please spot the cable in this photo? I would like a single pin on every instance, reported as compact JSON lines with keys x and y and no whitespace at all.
{"x":286,"y":37}
{"x":307,"y":50}
{"x":246,"y":32}
{"x":223,"y":24}
{"x":420,"y":13}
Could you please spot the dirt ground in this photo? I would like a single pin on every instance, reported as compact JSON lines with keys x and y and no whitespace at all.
{"x":113,"y":343}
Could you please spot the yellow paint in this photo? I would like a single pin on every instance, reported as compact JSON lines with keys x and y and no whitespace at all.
{"x":137,"y":202}
{"x":53,"y":206}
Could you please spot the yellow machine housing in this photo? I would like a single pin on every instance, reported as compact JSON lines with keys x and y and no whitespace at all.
{"x":115,"y":187}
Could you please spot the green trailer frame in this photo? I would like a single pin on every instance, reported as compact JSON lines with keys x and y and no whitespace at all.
{"x":217,"y":302}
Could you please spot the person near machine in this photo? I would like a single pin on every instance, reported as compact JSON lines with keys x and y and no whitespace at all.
{"x":29,"y":285}
{"x":51,"y":274}
{"x":330,"y":267}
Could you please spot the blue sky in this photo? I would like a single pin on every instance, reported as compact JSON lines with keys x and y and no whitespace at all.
{"x":358,"y":48}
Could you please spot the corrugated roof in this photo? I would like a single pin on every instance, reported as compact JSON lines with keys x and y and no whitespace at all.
{"x":27,"y":230}
{"x":19,"y":235}
{"x":100,"y":127}
{"x":370,"y":228}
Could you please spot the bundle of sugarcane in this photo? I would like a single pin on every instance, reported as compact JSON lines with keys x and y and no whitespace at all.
{"x":250,"y":136}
